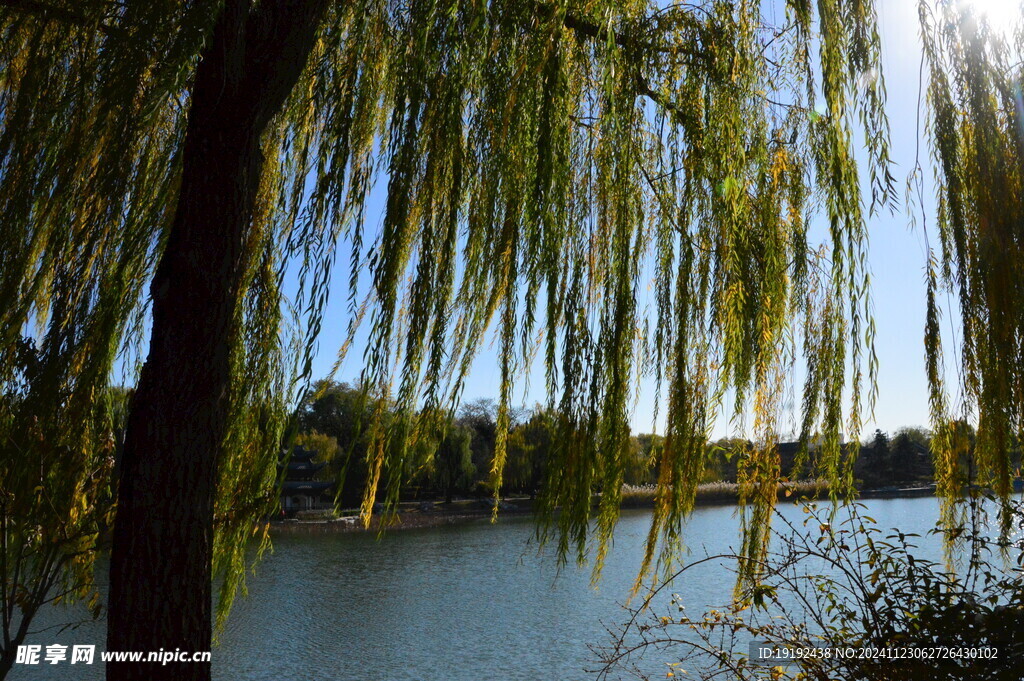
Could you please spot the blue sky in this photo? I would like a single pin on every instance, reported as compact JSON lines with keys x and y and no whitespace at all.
{"x":897,"y":259}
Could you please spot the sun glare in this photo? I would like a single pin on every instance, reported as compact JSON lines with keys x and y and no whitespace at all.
{"x":1001,"y":15}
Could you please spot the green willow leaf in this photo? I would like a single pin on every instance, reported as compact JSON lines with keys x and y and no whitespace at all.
{"x":544,"y":163}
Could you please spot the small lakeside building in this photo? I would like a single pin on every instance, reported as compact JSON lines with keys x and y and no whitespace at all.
{"x":300,"y":491}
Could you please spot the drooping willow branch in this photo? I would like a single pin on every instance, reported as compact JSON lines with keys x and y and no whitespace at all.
{"x":630,"y":184}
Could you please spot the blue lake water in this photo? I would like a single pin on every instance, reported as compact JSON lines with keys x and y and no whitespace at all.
{"x":453,"y":603}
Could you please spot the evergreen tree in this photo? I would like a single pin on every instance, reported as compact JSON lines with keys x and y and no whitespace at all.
{"x":453,"y":461}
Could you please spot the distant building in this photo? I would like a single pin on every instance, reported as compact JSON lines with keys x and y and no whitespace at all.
{"x":300,"y":492}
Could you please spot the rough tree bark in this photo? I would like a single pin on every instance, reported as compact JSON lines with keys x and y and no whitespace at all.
{"x":160,"y":567}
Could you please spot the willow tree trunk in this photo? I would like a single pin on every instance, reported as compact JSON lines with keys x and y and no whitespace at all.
{"x":160,"y":567}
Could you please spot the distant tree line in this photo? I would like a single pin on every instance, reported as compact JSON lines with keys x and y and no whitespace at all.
{"x":456,"y":460}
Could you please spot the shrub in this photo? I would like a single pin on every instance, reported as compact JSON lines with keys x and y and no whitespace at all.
{"x":847,"y":585}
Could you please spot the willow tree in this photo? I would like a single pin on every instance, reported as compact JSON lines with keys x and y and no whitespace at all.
{"x":545,"y":164}
{"x":975,"y":107}
{"x":55,"y":496}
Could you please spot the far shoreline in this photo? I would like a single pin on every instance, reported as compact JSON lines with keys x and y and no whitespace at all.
{"x":429,"y":514}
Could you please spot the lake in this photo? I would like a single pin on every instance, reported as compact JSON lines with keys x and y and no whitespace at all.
{"x":453,"y":603}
